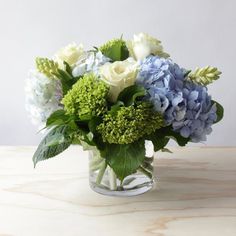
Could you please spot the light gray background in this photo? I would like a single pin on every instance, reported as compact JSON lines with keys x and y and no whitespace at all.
{"x":195,"y":33}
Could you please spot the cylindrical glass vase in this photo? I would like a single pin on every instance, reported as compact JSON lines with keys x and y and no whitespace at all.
{"x":103,"y":179}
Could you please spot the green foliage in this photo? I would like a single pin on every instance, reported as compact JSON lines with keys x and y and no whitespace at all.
{"x":204,"y":76}
{"x":115,"y":49}
{"x":219,"y":111}
{"x":59,"y":117}
{"x":125,"y":159}
{"x":158,"y":139}
{"x":55,"y":142}
{"x":127,"y":124}
{"x":87,"y":98}
{"x":46,"y":66}
{"x":161,"y":137}
{"x":131,"y":93}
{"x":66,"y":78}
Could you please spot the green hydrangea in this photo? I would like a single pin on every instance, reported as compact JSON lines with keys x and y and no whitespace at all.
{"x":128,"y":124}
{"x":46,"y":66}
{"x":115,"y":49}
{"x":87,"y":97}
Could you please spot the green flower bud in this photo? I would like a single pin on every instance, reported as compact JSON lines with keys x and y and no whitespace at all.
{"x":46,"y":66}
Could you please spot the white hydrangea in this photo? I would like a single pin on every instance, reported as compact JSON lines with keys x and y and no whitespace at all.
{"x":43,"y":96}
{"x":90,"y":62}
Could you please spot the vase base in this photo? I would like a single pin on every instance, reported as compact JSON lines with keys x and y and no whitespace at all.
{"x":123,"y":192}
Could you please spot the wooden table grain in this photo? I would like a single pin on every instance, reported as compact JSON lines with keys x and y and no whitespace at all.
{"x":195,"y":196}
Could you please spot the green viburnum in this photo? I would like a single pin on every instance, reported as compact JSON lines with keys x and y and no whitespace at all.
{"x":129,"y":124}
{"x":46,"y":66}
{"x":115,"y":49}
{"x":87,"y":98}
{"x":204,"y":76}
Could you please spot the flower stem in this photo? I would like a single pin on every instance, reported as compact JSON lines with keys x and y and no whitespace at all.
{"x":145,"y":171}
{"x":112,"y":179}
{"x":101,"y":173}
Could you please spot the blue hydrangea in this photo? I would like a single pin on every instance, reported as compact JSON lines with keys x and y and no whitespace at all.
{"x":184,"y":105}
{"x":200,"y":113}
{"x":163,"y":81}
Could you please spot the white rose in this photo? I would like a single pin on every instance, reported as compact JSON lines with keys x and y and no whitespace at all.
{"x":144,"y":45}
{"x":70,"y":54}
{"x":119,"y":75}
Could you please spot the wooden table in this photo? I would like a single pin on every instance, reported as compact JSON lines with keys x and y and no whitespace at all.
{"x":195,"y":195}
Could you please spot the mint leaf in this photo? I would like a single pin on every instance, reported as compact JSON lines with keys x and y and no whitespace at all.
{"x":131,"y":93}
{"x":55,"y":142}
{"x":124,"y":159}
{"x":219,"y":111}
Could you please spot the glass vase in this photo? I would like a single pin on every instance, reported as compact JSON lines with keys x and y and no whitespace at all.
{"x":103,"y":179}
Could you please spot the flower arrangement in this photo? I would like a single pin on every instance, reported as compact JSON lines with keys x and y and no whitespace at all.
{"x":114,"y":98}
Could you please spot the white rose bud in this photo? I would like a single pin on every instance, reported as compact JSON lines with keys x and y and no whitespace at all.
{"x":144,"y":45}
{"x":119,"y":75}
{"x":70,"y":54}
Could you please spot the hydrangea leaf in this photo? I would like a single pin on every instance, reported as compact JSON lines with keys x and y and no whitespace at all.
{"x":115,"y":49}
{"x":159,"y":140}
{"x":205,"y":75}
{"x":219,"y":111}
{"x":53,"y":143}
{"x":161,"y":137}
{"x":131,"y":93}
{"x":168,"y":132}
{"x":125,"y":159}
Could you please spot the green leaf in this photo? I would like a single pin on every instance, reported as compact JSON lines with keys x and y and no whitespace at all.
{"x":131,"y":93}
{"x":56,"y":140}
{"x":53,"y":144}
{"x":159,"y":140}
{"x":182,"y":141}
{"x":68,"y":68}
{"x":56,"y":118}
{"x":161,"y":137}
{"x":65,"y":75}
{"x":116,"y":107}
{"x":67,"y":79}
{"x":93,"y":123}
{"x":115,"y":49}
{"x":60,"y":117}
{"x":124,"y":159}
{"x":219,"y":111}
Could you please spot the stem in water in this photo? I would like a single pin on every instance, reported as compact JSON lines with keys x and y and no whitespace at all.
{"x":101,"y":172}
{"x":112,"y":179}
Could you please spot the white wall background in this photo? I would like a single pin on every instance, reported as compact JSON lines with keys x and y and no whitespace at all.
{"x":194,"y":32}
